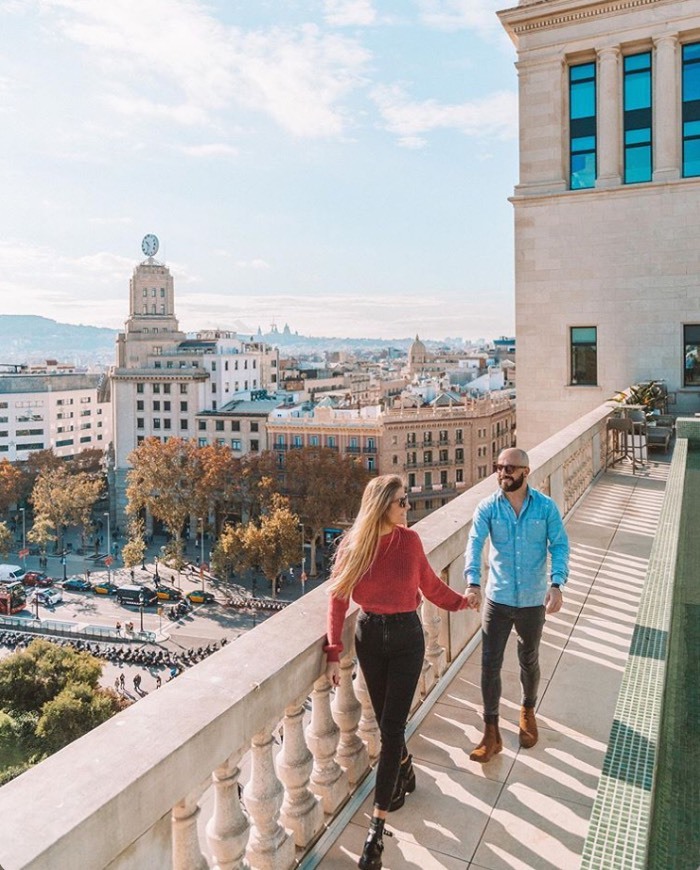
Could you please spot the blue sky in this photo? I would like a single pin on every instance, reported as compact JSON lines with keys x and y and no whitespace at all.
{"x":342,"y":166}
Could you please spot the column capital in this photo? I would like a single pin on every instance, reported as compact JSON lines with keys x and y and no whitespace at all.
{"x":666,"y":39}
{"x":612,"y":52}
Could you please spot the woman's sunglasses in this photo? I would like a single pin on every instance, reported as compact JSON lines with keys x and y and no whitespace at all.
{"x":401,"y":502}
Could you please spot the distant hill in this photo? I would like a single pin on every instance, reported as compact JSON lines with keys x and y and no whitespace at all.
{"x":28,"y":338}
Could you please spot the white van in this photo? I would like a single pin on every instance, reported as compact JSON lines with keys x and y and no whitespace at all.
{"x":8,"y":573}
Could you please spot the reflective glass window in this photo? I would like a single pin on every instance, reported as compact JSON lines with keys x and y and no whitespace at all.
{"x":691,"y":109}
{"x":637,"y":117}
{"x":582,"y":125}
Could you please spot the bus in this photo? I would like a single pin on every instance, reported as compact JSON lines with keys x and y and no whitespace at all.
{"x":13,"y":598}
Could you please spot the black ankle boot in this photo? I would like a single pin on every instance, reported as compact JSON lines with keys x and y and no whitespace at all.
{"x":405,"y":784}
{"x":371,"y":858}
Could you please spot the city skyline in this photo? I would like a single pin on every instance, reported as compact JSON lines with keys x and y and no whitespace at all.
{"x":342,"y":167}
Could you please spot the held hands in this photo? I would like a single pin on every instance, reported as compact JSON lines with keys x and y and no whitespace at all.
{"x":473,"y":599}
{"x":553,"y":600}
{"x":333,"y":673}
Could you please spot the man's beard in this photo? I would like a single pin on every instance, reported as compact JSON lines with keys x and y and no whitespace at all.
{"x":513,"y":484}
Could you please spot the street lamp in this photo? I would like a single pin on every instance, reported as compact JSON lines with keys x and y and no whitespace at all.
{"x":24,"y":528}
{"x":109,"y":534}
{"x":201,"y":560}
{"x":155,"y":560}
{"x":141,"y":609}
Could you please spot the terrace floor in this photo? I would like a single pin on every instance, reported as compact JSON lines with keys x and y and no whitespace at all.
{"x":527,"y":808}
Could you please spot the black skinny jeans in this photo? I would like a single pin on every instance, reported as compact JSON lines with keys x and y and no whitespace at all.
{"x":497,"y":622}
{"x":390,"y":649}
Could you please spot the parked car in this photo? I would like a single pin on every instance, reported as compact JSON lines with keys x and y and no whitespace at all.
{"x":48,"y":597}
{"x":136,"y":594}
{"x":76,"y":584}
{"x":168,"y":593}
{"x":36,"y":578}
{"x":199,"y":597}
{"x":104,"y":588}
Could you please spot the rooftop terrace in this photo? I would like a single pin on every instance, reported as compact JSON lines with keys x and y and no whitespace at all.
{"x":157,"y":786}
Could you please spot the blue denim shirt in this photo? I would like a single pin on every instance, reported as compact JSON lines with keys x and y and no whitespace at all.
{"x":519,"y":545}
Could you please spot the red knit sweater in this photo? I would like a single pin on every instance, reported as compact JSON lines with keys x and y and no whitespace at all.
{"x":392,"y":584}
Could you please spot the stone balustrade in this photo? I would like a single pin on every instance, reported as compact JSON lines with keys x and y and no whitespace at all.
{"x":130,"y":793}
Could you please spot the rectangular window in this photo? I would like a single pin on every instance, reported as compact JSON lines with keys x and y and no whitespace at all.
{"x":183,"y":389}
{"x":139,"y":422}
{"x":582,"y":126}
{"x":584,"y":356}
{"x":235,"y":444}
{"x":637,"y":117}
{"x":459,"y":475}
{"x":254,"y":445}
{"x":254,"y":427}
{"x":139,"y":388}
{"x":691,"y":355}
{"x":156,"y":423}
{"x":202,"y":425}
{"x":156,"y":405}
{"x":219,"y":425}
{"x":139,"y":405}
{"x":166,"y":423}
{"x":235,"y":425}
{"x":313,"y":440}
{"x":183,"y":424}
{"x":691,"y":109}
{"x":459,"y":454}
{"x":183,"y":407}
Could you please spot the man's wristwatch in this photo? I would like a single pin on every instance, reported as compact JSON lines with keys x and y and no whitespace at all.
{"x":556,"y":586}
{"x":474,"y":587}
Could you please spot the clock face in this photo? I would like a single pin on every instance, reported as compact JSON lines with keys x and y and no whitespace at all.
{"x":149,"y":245}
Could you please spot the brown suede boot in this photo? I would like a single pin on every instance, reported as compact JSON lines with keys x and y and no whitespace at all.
{"x":491,"y":743}
{"x":528,"y":727}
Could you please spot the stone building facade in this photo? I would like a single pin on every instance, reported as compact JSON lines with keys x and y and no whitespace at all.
{"x":607,"y":207}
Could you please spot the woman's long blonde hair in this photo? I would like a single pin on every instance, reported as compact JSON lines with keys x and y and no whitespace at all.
{"x":359,"y":545}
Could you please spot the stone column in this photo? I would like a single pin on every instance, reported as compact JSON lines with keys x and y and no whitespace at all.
{"x":665,"y":114}
{"x":609,"y":116}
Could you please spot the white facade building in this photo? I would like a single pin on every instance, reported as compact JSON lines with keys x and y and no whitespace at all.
{"x":607,"y":208}
{"x":64,"y":411}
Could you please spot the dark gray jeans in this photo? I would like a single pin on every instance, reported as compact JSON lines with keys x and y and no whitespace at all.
{"x":390,"y":649}
{"x":496,"y":623}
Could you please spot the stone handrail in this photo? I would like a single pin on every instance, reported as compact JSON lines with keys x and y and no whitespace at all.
{"x":128,"y":794}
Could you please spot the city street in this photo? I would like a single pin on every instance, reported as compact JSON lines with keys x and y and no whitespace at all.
{"x":205,"y":624}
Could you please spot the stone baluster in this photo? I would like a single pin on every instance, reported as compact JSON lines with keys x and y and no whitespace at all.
{"x":435,"y":655}
{"x":269,"y":845}
{"x":187,"y":854}
{"x":328,"y":779}
{"x":368,"y":727}
{"x":227,"y":829}
{"x":301,"y":811}
{"x":352,"y":753}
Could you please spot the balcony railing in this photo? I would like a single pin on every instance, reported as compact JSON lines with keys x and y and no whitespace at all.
{"x":130,"y":793}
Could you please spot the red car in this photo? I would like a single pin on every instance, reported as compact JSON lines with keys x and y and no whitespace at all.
{"x":36,"y":578}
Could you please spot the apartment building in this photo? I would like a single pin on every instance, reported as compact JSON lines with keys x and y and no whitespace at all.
{"x":439,"y":448}
{"x":607,"y":207}
{"x":64,"y":411}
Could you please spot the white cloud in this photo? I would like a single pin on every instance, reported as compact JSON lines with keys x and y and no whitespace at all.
{"x":257,"y":265}
{"x":343,"y":13}
{"x":495,"y":115}
{"x":477,"y":15}
{"x":171,"y":59}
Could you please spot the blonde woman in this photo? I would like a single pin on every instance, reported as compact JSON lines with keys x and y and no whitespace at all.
{"x":381,"y":565}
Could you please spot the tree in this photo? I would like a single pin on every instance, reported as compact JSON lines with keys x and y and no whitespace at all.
{"x":62,"y":498}
{"x":269,"y":544}
{"x":134,"y":551}
{"x":74,"y":711}
{"x":10,"y":485}
{"x":218,"y":488}
{"x":5,"y":540}
{"x":229,"y":555}
{"x":32,"y":677}
{"x":163,"y":480}
{"x":324,"y":489}
{"x":49,"y":696}
{"x":257,"y":467}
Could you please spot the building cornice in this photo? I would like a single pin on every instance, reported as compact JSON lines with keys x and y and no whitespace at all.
{"x":545,"y":14}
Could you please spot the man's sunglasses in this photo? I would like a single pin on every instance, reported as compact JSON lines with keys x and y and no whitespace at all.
{"x":509,"y":469}
{"x":401,"y":502}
